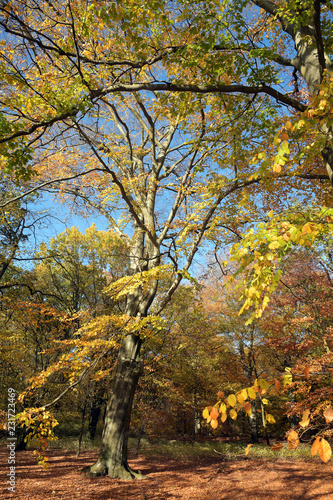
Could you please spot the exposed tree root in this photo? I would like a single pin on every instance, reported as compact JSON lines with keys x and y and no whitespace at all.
{"x":122,"y":471}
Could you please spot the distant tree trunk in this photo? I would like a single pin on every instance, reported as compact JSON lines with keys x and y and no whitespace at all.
{"x":95,"y":411}
{"x":254,"y":423}
{"x":83,"y":418}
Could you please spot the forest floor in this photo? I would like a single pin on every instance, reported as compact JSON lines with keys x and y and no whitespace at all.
{"x":214,"y":477}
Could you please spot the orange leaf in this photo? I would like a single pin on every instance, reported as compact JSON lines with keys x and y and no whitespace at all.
{"x":307,"y":372}
{"x":244,"y":393}
{"x":325,"y":451}
{"x":214,"y":413}
{"x":277,"y":385}
{"x":315,"y":446}
{"x":220,"y":394}
{"x":240,"y":399}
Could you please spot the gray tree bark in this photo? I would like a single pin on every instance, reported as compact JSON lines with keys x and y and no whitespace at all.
{"x":311,"y":61}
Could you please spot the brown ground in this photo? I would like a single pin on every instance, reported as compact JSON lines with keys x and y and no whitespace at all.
{"x":206,"y":479}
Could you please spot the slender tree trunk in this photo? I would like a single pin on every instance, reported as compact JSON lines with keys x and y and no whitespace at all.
{"x":83,"y":418}
{"x":95,"y":411}
{"x":112,"y":459}
{"x":254,"y":423}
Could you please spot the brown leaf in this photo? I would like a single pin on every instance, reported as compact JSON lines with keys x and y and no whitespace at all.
{"x":293,"y":440}
{"x":277,"y":446}
{"x":220,"y":394}
{"x":328,"y":414}
{"x":247,"y":407}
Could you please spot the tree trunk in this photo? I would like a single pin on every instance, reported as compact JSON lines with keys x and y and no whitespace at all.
{"x":95,"y":411}
{"x":254,"y":423}
{"x":112,"y":459}
{"x":83,"y":419}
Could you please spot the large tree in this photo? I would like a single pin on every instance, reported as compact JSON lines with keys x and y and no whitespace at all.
{"x":155,"y":110}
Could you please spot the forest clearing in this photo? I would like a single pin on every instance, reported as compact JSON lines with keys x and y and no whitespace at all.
{"x":227,"y":476}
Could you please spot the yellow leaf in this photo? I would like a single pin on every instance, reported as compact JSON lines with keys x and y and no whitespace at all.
{"x":214,"y":424}
{"x":265,"y":401}
{"x":223,"y":408}
{"x":205,"y":413}
{"x":288,"y":125}
{"x":233,"y":414}
{"x":325,"y":451}
{"x":224,"y":417}
{"x":274,"y":245}
{"x":244,"y":393}
{"x":247,"y":449}
{"x":270,"y":419}
{"x":232,"y":399}
{"x":305,"y":419}
{"x":263,"y":384}
{"x":252,"y":393}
